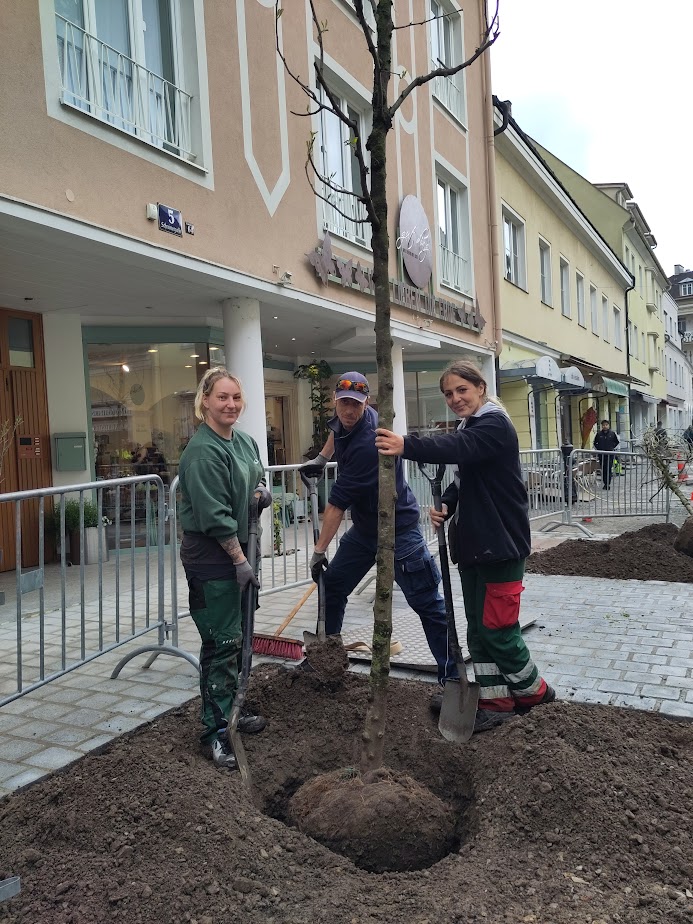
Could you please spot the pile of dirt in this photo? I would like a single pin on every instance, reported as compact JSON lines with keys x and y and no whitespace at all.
{"x":570,"y":814}
{"x":646,"y":554}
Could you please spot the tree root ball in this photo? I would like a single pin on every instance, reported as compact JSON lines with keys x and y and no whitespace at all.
{"x":382,"y":821}
{"x":328,"y":659}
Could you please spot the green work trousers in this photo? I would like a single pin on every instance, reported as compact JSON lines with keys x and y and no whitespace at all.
{"x":215,"y":607}
{"x":502,"y":663}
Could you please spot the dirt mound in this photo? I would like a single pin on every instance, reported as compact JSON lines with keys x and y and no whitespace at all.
{"x":646,"y":554}
{"x":382,"y":820}
{"x":567,"y":815}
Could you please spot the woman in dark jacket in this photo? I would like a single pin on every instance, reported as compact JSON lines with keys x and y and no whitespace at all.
{"x":489,"y":501}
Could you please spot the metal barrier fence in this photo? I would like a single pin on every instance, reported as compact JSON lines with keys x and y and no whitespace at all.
{"x":100,"y":609}
{"x":615,"y":484}
{"x":543,"y":475}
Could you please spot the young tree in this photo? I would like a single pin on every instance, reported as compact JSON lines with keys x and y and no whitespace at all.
{"x":371,"y":158}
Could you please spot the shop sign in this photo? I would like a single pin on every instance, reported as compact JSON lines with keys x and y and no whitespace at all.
{"x":571,"y":375}
{"x":331,"y":268}
{"x":547,"y":368}
{"x":414,"y":242}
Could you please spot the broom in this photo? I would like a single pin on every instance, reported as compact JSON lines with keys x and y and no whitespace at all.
{"x":277,"y":647}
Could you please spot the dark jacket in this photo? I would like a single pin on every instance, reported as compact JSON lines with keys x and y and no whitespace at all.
{"x":493,"y":517}
{"x":356,"y":487}
{"x":606,"y":441}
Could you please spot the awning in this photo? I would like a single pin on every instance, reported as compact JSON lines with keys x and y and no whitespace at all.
{"x":615,"y":388}
{"x":571,"y":378}
{"x":543,"y":368}
{"x":639,"y":396}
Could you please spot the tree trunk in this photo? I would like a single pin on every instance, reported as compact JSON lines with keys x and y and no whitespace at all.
{"x":376,"y":713}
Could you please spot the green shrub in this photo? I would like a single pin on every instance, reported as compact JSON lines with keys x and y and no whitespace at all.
{"x":91,"y":516}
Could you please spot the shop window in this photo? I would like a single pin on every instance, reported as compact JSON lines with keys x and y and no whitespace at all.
{"x":21,"y":342}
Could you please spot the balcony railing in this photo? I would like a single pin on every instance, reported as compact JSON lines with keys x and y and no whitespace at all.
{"x":453,"y":271}
{"x":448,"y":91}
{"x":346,"y":216}
{"x":111,"y":86}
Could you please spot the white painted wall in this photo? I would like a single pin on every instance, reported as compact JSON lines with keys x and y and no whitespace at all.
{"x":67,"y":398}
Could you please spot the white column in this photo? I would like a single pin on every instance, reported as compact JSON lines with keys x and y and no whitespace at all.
{"x":243,"y":348}
{"x":398,"y":396}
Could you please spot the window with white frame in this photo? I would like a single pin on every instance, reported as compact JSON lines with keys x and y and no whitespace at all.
{"x":514,"y":248}
{"x":642,"y":342}
{"x":343,"y":213}
{"x":686,"y":288}
{"x":564,"y":270}
{"x":594,"y":312}
{"x":447,"y":50}
{"x":545,"y":272}
{"x":630,"y":337}
{"x":580,"y":298}
{"x":121,"y":61}
{"x":452,"y":205}
{"x":605,"y":318}
{"x":618,"y":330}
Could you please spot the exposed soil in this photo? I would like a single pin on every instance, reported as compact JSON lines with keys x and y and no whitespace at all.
{"x":646,"y":554}
{"x":572,"y":813}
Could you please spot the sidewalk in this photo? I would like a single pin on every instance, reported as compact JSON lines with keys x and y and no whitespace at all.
{"x":625,"y":643}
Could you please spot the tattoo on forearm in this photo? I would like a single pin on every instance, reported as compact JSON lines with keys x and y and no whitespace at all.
{"x":232,"y":547}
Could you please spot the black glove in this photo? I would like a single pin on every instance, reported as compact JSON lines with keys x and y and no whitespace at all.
{"x":318,"y":565}
{"x":315,"y":468}
{"x":264,"y":497}
{"x":245,"y":575}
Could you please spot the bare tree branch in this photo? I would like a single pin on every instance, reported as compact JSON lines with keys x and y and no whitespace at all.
{"x":365,"y":28}
{"x":423,"y":22}
{"x":489,"y":37}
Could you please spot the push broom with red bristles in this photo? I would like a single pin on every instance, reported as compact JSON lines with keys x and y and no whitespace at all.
{"x":278,"y":647}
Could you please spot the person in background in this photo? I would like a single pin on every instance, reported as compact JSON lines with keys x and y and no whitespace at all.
{"x":688,"y":435}
{"x":493,"y":539}
{"x":352,"y":439}
{"x":220,"y":471}
{"x":606,"y":441}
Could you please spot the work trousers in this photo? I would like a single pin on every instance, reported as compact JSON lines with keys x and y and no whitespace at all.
{"x":416,"y":574}
{"x":215,"y":607}
{"x":607,"y":469}
{"x":503,"y":666}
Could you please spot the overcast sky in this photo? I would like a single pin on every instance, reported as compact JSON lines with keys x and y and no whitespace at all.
{"x":606,"y":86}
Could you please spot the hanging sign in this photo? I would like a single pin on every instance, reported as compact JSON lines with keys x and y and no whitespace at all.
{"x":414,"y":242}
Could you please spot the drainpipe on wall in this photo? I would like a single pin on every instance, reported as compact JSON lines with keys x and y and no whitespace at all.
{"x":630,"y":415}
{"x":491,"y":194}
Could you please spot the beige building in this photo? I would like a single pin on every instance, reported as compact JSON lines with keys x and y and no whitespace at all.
{"x":564,"y":364}
{"x":155,"y":218}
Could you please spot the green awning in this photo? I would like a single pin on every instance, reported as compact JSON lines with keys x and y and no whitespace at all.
{"x":616,"y":388}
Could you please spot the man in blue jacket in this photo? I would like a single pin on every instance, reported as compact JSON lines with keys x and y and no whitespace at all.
{"x":356,"y":489}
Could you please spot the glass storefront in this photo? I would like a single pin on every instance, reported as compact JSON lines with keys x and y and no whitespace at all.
{"x":142,"y":397}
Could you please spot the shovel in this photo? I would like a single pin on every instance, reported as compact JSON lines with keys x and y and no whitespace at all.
{"x":460,"y":700}
{"x":310,"y":474}
{"x":249,"y":605}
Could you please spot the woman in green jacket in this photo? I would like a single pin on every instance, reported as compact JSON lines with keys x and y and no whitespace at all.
{"x":220,"y":470}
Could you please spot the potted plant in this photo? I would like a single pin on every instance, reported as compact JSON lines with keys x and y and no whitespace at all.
{"x":91,"y":530}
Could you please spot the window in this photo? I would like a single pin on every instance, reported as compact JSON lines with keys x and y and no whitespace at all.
{"x":618,"y":332}
{"x":545,"y":272}
{"x":636,"y":343}
{"x":343,"y":214}
{"x":627,"y":257}
{"x":640,"y":279}
{"x":121,"y":61}
{"x":453,"y":237}
{"x":565,"y":288}
{"x":447,"y":50}
{"x":594,"y":313}
{"x":630,"y":337}
{"x":580,"y":297}
{"x":514,"y":244}
{"x":605,"y":318}
{"x":687,"y":288}
{"x":642,"y":344}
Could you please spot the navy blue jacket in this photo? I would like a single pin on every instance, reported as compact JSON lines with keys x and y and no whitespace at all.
{"x":493,"y":519}
{"x":356,"y":487}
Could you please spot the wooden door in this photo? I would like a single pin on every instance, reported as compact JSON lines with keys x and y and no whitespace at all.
{"x":27,"y":463}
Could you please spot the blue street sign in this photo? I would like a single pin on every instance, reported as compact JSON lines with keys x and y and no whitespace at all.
{"x":170,"y":220}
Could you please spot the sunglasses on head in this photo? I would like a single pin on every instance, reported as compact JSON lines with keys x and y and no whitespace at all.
{"x":348,"y":385}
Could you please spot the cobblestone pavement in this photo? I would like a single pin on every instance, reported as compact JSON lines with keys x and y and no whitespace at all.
{"x":626,"y":643}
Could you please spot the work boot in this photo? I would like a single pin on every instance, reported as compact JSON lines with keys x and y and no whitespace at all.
{"x":486,"y":719}
{"x":221,"y":753}
{"x":435,"y":703}
{"x":548,"y":697}
{"x":250,"y":724}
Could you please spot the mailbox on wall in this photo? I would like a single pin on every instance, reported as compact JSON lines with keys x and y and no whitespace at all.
{"x":70,"y":452}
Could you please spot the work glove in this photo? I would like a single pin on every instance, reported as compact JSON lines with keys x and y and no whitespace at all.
{"x":264,"y":499}
{"x":315,"y":467}
{"x":318,"y":565}
{"x":245,"y":575}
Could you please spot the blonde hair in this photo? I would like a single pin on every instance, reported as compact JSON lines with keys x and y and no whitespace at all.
{"x":207,"y":383}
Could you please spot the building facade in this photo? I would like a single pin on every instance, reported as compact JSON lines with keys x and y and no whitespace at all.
{"x":681,"y":292}
{"x":156,"y":219}
{"x":564,"y":363}
{"x":679,"y":372}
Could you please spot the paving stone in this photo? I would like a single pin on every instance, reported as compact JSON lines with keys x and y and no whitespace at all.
{"x":677,"y":710}
{"x":617,"y":686}
{"x":17,"y":749}
{"x":7,"y":771}
{"x":23,"y":779}
{"x":661,"y":691}
{"x":85,"y":717}
{"x":52,"y":758}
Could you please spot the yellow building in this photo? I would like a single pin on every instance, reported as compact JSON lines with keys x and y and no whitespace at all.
{"x":564,"y":362}
{"x":610,"y":206}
